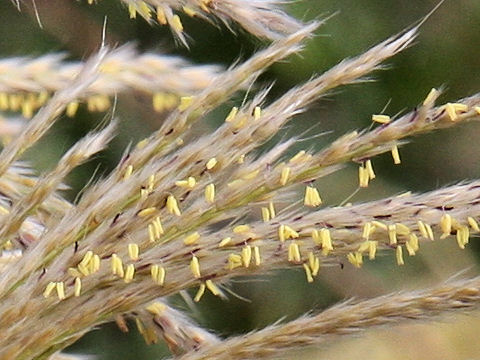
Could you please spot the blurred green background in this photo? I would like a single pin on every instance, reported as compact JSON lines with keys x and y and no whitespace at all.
{"x":446,"y":53}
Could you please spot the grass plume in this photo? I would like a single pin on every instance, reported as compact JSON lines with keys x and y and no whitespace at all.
{"x":183,"y":210}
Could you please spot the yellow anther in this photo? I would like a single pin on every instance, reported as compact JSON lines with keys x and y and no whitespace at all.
{"x":188,"y":183}
{"x":234,"y":261}
{"x":147,"y":211}
{"x":224,"y":242}
{"x":379,"y":224}
{"x":402,"y":229}
{"x":364,"y":246}
{"x":176,"y":23}
{"x":192,"y":238}
{"x":200,"y":292}
{"x":477,"y":109}
{"x":294,"y":252}
{"x":399,"y":255}
{"x":77,"y":288}
{"x":290,"y":233}
{"x":422,"y":229}
{"x":316,"y":237}
{"x":211,"y":163}
{"x":257,"y":112}
{"x":212,"y":287}
{"x":157,"y":228}
{"x":144,"y":9}
{"x":308,"y":273}
{"x":460,"y":107}
{"x":326,"y":241}
{"x":431,"y":97}
{"x":185,"y":101}
{"x":315,"y":266}
{"x":372,"y":250}
{"x":473,"y":224}
{"x":60,"y":287}
{"x":4,"y":210}
{"x":117,"y":266}
{"x":297,"y":158}
{"x":355,"y":259}
{"x":158,"y":102}
{"x":129,"y":273}
{"x":265,"y":214}
{"x":94,"y":264}
{"x":312,"y":197}
{"x":446,"y":224}
{"x":392,"y":234}
{"x":241,"y":159}
{"x":161,"y":18}
{"x":311,"y":259}
{"x":256,"y":255}
{"x":232,"y":114}
{"x":161,"y":276}
{"x":396,"y":155}
{"x":154,"y":272}
{"x":172,"y":206}
{"x":49,"y":288}
{"x":133,"y":251}
{"x":363,"y":177}
{"x":72,"y":109}
{"x":246,"y":255}
{"x":189,"y":11}
{"x":86,"y":258}
{"x":271,"y":208}
{"x":210,"y":193}
{"x":369,"y":167}
{"x":463,"y":234}
{"x":366,"y":230}
{"x":239,"y":229}
{"x":381,"y":119}
{"x":412,"y":244}
{"x":284,"y":175}
{"x":156,"y":308}
{"x":132,"y":10}
{"x":158,"y":274}
{"x":151,"y":233}
{"x":195,"y":267}
{"x":429,"y":231}
{"x":451,"y":112}
{"x":144,"y":194}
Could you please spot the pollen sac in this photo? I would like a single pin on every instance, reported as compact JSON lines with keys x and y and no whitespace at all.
{"x":172,"y":206}
{"x":312,"y":197}
{"x":156,"y":308}
{"x":381,"y":119}
{"x":195,"y":267}
{"x":191,"y":239}
{"x":210,"y":193}
{"x":396,"y":155}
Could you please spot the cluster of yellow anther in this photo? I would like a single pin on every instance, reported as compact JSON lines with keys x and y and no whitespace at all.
{"x":164,"y":101}
{"x":89,"y":264}
{"x":58,"y":286}
{"x":268,"y":213}
{"x":158,"y":274}
{"x":245,"y":257}
{"x":312,"y":197}
{"x":155,"y":230}
{"x":27,"y":103}
{"x":285,"y":232}
{"x":365,"y":174}
{"x":323,"y":239}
